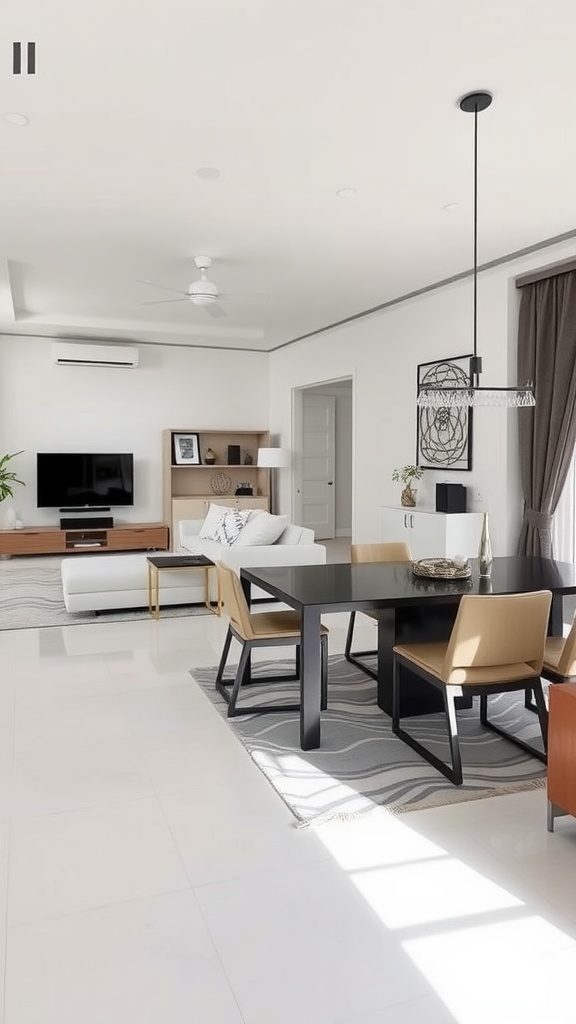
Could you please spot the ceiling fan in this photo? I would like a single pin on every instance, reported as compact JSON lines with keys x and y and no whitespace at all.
{"x":202,"y":292}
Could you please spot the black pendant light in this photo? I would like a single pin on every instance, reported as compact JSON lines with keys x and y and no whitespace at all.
{"x":474,"y":394}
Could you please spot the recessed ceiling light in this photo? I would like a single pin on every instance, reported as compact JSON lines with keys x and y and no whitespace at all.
{"x":18,"y":120}
{"x":450,"y":206}
{"x":346,"y":193}
{"x":209,"y":173}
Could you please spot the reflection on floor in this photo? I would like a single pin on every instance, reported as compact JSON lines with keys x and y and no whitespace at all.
{"x":150,"y":875}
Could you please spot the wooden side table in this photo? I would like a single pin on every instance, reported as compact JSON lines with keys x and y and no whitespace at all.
{"x":561,"y":752}
{"x":172,"y":563}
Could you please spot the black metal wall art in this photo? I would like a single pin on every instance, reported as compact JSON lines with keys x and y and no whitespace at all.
{"x":444,"y":435}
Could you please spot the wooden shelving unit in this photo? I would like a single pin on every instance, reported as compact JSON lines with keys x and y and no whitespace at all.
{"x":187,"y":490}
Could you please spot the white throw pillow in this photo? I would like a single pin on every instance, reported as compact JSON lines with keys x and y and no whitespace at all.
{"x":262,"y":529}
{"x":213,"y":518}
{"x":231,"y":525}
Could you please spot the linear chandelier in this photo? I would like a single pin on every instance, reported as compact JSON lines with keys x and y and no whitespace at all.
{"x":474,"y":394}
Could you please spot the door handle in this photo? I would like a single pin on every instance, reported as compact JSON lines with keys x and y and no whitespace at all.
{"x":330,"y":482}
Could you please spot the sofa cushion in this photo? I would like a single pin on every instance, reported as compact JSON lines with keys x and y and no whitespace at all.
{"x":212,"y":520}
{"x":231,"y":526}
{"x":262,"y":529}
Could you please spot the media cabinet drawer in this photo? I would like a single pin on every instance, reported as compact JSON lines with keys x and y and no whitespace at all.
{"x":30,"y":542}
{"x":122,"y":538}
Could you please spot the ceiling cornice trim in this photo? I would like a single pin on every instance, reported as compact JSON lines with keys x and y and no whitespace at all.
{"x":555,"y":240}
{"x":138,"y":341}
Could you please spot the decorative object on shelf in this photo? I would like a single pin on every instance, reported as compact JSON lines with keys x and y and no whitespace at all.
{"x":273,"y":458}
{"x":442,"y":568}
{"x":447,"y":396}
{"x":233,"y":454}
{"x":10,"y":518}
{"x":186,"y":449}
{"x":444,"y":434}
{"x":221,"y":483}
{"x":209,"y":457}
{"x":485,"y":549}
{"x":18,"y":525}
{"x":244,"y":488}
{"x":248,"y":459}
{"x":406,"y":474}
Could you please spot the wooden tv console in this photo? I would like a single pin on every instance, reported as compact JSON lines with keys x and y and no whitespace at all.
{"x":51,"y":540}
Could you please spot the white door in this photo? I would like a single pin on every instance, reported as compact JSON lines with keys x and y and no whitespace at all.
{"x":318,"y":460}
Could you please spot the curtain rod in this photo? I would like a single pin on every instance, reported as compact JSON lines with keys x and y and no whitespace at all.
{"x":552,"y":270}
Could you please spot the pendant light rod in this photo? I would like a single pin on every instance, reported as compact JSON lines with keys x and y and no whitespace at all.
{"x":469,"y":395}
{"x":472,"y":103}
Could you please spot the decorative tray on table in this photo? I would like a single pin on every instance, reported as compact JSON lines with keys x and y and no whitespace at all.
{"x":441,"y":569}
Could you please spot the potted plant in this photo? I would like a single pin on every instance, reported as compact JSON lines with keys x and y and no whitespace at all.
{"x":7,"y":481}
{"x":407,"y":475}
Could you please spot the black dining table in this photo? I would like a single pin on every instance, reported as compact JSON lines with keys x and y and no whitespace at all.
{"x":410,"y":608}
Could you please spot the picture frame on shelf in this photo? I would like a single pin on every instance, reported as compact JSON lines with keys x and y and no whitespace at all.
{"x":186,"y":449}
{"x":444,"y":435}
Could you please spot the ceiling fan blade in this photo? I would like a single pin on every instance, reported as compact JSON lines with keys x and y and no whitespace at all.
{"x":163,"y":287}
{"x":161,"y":302}
{"x":247,"y":297}
{"x":214,"y":310}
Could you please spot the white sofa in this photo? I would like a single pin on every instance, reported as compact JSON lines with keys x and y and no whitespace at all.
{"x":105,"y":582}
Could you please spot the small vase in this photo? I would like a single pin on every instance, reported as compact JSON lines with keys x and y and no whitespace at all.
{"x":408,"y":497}
{"x":209,"y":457}
{"x":485,"y":549}
{"x":10,"y":518}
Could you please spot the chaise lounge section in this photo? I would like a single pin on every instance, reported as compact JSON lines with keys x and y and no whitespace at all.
{"x":106,"y":582}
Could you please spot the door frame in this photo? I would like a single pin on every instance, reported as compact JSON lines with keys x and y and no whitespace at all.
{"x":297,"y":441}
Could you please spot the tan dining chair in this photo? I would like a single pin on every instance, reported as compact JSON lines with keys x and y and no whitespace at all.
{"x":496,"y":646}
{"x":560,"y":657}
{"x":261,"y":629}
{"x":392,"y":551}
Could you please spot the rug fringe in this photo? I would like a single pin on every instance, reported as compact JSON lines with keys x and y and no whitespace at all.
{"x":328,"y":816}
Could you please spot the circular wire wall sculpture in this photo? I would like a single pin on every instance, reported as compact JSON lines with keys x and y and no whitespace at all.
{"x":443,"y":433}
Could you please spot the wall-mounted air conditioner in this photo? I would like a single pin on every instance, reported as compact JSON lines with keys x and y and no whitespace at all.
{"x":77,"y":354}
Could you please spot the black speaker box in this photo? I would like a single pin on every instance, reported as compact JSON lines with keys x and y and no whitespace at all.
{"x":450,"y":498}
{"x":233,"y":454}
{"x":87,"y":523}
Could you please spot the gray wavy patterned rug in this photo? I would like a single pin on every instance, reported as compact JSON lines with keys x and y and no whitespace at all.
{"x":31,"y":596}
{"x":362,"y":764}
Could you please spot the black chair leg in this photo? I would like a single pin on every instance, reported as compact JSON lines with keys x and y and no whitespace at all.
{"x":242,"y":665}
{"x":542,"y":717}
{"x":223,"y":659}
{"x":349,"y":635}
{"x":324,"y":671}
{"x":452,"y":772}
{"x":354,"y":659}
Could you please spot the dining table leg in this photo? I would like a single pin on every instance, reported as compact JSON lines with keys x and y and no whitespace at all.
{"x":310,"y":679}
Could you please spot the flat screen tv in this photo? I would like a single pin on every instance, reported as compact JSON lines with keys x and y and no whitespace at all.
{"x":84,"y":480}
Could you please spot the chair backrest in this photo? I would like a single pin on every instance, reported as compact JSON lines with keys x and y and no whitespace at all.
{"x":507,"y":631}
{"x":567,"y":660}
{"x":234,"y":601}
{"x":394,"y":551}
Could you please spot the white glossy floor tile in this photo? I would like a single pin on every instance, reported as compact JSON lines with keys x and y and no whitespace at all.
{"x":236,"y":829}
{"x":62,"y":863}
{"x":342,"y":961}
{"x":151,"y":961}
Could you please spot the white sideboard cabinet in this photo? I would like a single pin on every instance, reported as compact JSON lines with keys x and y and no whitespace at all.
{"x":433,"y":534}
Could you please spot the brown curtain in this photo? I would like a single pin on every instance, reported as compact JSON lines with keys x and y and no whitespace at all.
{"x":546,"y":356}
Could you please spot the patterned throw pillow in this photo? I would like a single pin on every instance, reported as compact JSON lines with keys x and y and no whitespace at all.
{"x":230,"y":525}
{"x":213,"y":518}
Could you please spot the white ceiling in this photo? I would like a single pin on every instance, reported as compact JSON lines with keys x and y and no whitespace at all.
{"x":290,"y":102}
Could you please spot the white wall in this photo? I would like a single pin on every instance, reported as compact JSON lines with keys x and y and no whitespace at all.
{"x":381,"y":353}
{"x":44,"y":407}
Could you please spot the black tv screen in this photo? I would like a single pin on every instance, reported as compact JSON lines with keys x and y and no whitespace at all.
{"x":84,"y":480}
